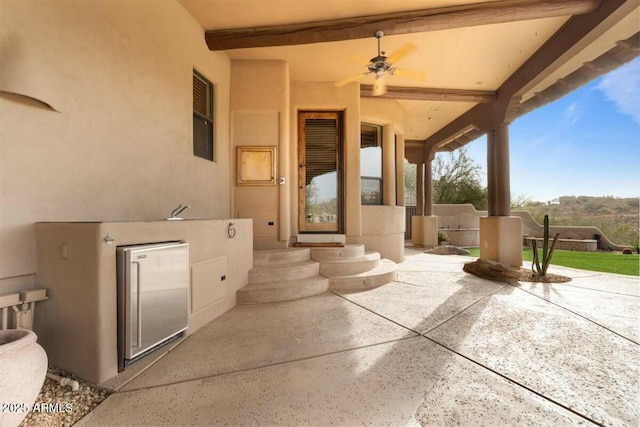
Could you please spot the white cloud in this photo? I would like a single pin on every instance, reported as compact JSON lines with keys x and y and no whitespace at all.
{"x":622,"y":86}
{"x":572,"y":114}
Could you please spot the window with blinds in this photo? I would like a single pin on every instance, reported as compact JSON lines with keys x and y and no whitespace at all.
{"x":370,"y":164}
{"x":202,"y":117}
{"x":320,"y":147}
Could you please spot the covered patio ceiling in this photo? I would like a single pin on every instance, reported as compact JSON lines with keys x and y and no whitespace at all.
{"x":485,"y":61}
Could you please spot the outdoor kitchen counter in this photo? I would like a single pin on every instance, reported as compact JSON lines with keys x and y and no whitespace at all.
{"x":76,"y":263}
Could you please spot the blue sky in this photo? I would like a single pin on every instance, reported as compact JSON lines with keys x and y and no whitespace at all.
{"x":584,"y":144}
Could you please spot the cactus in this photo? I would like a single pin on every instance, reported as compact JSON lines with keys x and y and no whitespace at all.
{"x":547,"y":252}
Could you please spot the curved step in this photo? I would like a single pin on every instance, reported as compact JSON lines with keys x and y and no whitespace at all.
{"x":281,"y":256}
{"x":328,"y":254}
{"x":386,"y":272}
{"x":283,"y":272}
{"x":258,"y":293}
{"x":350,"y":266}
{"x":321,"y":238}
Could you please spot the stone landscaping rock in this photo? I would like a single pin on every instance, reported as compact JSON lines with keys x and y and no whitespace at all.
{"x":58,"y":406}
{"x":493,"y":270}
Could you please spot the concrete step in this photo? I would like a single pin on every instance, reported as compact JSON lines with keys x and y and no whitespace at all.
{"x":281,"y":256}
{"x":327,"y":254}
{"x":321,"y":238}
{"x":386,"y":272}
{"x":283,"y":272}
{"x":288,"y":274}
{"x":258,"y":293}
{"x":350,"y":266}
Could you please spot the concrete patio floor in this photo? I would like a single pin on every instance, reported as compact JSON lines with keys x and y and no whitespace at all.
{"x":436,"y":347}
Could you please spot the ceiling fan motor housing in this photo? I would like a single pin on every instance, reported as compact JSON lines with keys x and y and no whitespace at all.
{"x":379,"y":66}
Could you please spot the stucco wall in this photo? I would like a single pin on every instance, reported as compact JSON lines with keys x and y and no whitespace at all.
{"x":119,"y":73}
{"x":383,"y":231}
{"x":259,"y":117}
{"x":530,"y":227}
{"x":464,"y":216}
{"x":325,"y":96}
{"x":78,"y":324}
{"x":383,"y":226}
{"x":383,"y":112}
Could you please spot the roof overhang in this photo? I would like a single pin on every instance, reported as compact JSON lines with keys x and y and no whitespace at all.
{"x":487,"y":62}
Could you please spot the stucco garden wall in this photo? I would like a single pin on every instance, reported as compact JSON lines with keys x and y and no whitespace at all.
{"x":465,"y":216}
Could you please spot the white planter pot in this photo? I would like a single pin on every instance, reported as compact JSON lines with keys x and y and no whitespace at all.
{"x":23,"y":367}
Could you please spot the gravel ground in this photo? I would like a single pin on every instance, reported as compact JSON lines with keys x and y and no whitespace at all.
{"x":57,"y":405}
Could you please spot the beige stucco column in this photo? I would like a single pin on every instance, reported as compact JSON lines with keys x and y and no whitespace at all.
{"x":420,"y":189}
{"x":416,"y":221}
{"x":284,"y":168}
{"x":424,"y":226}
{"x":389,"y":165}
{"x":400,"y":170}
{"x":429,"y":221}
{"x":498,"y":175}
{"x":428,"y":190}
{"x":500,"y":233}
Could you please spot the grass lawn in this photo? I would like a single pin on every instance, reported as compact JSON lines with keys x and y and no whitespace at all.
{"x":593,"y":261}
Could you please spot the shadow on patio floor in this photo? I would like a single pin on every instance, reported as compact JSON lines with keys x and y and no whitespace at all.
{"x":438,"y":346}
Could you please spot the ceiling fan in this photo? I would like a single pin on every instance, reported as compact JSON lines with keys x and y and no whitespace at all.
{"x":381,"y":66}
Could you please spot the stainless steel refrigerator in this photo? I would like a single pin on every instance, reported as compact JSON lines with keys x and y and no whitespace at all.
{"x":153,"y":283}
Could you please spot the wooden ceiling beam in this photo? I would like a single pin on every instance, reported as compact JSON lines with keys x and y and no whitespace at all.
{"x":623,"y":52}
{"x":424,"y":20}
{"x":431,"y":94}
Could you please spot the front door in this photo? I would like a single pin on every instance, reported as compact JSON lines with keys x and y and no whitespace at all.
{"x":319,"y":177}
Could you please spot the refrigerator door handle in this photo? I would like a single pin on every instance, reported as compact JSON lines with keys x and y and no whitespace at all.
{"x":138,"y":306}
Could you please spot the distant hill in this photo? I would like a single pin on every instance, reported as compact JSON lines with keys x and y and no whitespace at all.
{"x":599,"y":205}
{"x":618,"y":218}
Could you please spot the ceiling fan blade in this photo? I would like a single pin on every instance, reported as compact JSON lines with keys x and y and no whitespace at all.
{"x":410,"y":74}
{"x":379,"y":86}
{"x":402,"y":52}
{"x":349,"y":80}
{"x":359,"y":59}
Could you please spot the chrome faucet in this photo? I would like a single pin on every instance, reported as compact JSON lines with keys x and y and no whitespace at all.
{"x":178,"y":210}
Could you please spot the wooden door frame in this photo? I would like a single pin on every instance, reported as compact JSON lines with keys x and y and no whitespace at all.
{"x":300,"y":161}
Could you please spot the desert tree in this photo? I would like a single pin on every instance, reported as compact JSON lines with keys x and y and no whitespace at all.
{"x":456,"y":180}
